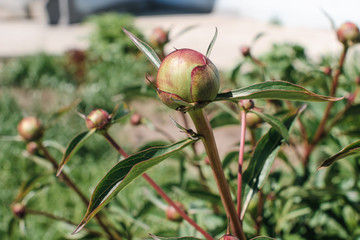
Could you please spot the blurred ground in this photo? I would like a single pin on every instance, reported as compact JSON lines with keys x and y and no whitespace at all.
{"x":22,"y":36}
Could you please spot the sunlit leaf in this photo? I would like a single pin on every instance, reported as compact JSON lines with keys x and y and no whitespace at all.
{"x":279,"y":90}
{"x":145,"y":48}
{"x":75,"y":144}
{"x":208,"y":52}
{"x":275,"y":123}
{"x":125,"y":172}
{"x":261,"y":162}
{"x":351,"y":149}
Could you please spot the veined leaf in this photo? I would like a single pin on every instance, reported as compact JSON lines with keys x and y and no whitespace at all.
{"x":351,"y":149}
{"x":261,"y":162}
{"x":275,"y":123}
{"x":74,"y":145}
{"x":279,"y":90}
{"x":126,"y":171}
{"x":208,"y":52}
{"x":145,"y":48}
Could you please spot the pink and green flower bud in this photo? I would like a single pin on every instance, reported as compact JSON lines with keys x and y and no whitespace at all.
{"x":348,"y":34}
{"x":30,"y":129}
{"x":187,"y":79}
{"x":98,"y":119}
{"x":18,"y":210}
{"x":172,"y":214}
{"x":159,"y":37}
{"x":32,"y":147}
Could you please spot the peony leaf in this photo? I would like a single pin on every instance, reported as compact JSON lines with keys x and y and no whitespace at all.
{"x":145,"y":48}
{"x":279,"y":90}
{"x":208,"y":52}
{"x":126,"y":171}
{"x":261,"y":161}
{"x":351,"y":149}
{"x":74,"y":145}
{"x":275,"y":123}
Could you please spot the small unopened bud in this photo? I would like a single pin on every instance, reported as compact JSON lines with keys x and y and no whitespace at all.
{"x":245,"y":51}
{"x":348,"y":34}
{"x":228,"y":237}
{"x":327,"y":71}
{"x":136,"y":119}
{"x":247,"y":104}
{"x":159,"y":37}
{"x":31,"y":147}
{"x":30,"y":129}
{"x":172,"y":214}
{"x":252,"y":120}
{"x":186,"y":77}
{"x":18,"y":210}
{"x":98,"y":119}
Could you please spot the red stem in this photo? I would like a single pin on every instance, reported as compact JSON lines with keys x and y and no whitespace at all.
{"x":73,"y":186}
{"x":159,"y":190}
{"x":241,"y":159}
{"x":320,"y":132}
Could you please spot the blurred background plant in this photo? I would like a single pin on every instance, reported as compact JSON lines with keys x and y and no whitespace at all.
{"x":296,"y":202}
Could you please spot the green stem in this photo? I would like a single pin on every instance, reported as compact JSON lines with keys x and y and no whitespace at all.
{"x":205,"y":131}
{"x":159,"y":190}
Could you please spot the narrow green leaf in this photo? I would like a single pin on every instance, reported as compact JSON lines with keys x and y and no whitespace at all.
{"x":74,"y":145}
{"x":172,"y":238}
{"x":186,"y":29}
{"x":351,"y":149}
{"x":64,"y":110}
{"x":257,"y":37}
{"x":208,"y":52}
{"x":235,"y":72}
{"x":119,"y":112}
{"x":275,"y":123}
{"x":145,"y":48}
{"x":124,"y":173}
{"x":262,"y":160}
{"x":279,"y":90}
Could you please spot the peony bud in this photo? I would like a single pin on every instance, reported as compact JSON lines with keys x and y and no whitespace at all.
{"x":348,"y":34}
{"x":245,"y":51}
{"x":30,"y":129}
{"x":172,"y":214}
{"x":247,"y":104}
{"x":136,"y":119}
{"x":252,"y":120}
{"x":98,"y":119}
{"x":31,"y":147}
{"x":18,"y":210}
{"x":159,"y":37}
{"x":186,"y":77}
